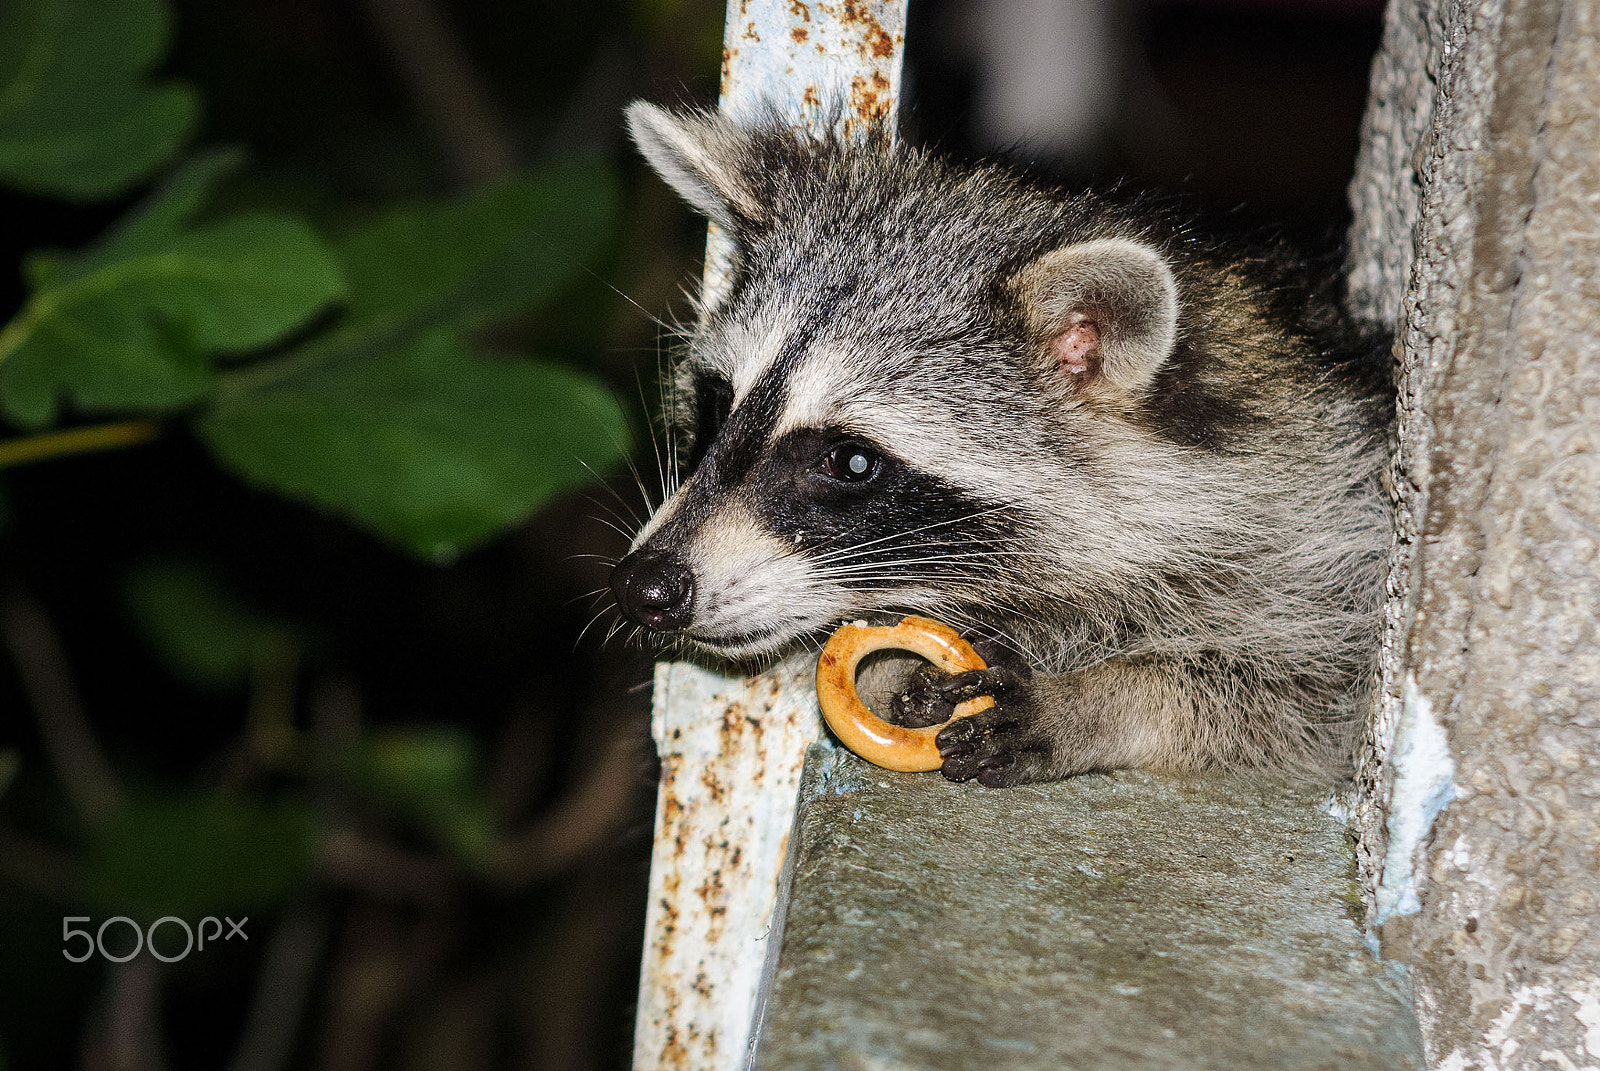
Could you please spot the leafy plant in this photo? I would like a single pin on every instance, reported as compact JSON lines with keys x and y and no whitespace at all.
{"x":194,"y":855}
{"x":342,"y":373}
{"x":78,"y":116}
{"x":196,"y":626}
{"x":347,"y":366}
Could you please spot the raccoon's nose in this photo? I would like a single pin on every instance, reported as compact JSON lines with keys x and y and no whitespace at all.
{"x":654,"y":589}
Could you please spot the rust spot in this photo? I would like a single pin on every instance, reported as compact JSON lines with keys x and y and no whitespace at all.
{"x":701,"y":985}
{"x":750,"y":33}
{"x":666,"y":930}
{"x":876,"y":42}
{"x":714,"y":897}
{"x":712,"y":886}
{"x":810,"y":98}
{"x":673,"y":1052}
{"x":799,"y":10}
{"x":869,"y":98}
{"x":799,"y":33}
{"x":879,"y":42}
{"x":734,"y":719}
{"x":708,"y":778}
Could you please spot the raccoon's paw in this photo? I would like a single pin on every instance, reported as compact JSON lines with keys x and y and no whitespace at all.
{"x":929,"y":696}
{"x":1001,"y":746}
{"x":921,"y":700}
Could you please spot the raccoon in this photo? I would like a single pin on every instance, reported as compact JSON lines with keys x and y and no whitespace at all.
{"x":1144,"y":472}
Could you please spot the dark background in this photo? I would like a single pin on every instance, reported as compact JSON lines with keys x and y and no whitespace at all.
{"x":388,"y":954}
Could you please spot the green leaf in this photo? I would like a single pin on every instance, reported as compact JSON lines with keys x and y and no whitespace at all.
{"x":196,"y":855}
{"x":425,"y":765}
{"x":137,"y":333}
{"x":160,"y":217}
{"x":434,"y":448}
{"x":476,"y":259}
{"x":428,"y":775}
{"x":197,"y":625}
{"x":78,"y":117}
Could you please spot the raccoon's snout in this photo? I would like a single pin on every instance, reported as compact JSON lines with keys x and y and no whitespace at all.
{"x":653,"y":589}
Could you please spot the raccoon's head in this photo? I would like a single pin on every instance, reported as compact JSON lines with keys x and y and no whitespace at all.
{"x":881,"y":414}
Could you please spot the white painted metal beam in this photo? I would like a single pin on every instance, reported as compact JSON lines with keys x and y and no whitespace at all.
{"x":731,"y":747}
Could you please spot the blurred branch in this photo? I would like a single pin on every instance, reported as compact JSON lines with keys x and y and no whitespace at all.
{"x":85,"y":774}
{"x":53,"y":444}
{"x":274,"y":674}
{"x":347,"y":858}
{"x":335,"y":716}
{"x":276,"y":1010}
{"x":270,"y":740}
{"x":128,"y":1038}
{"x":519,"y":758}
{"x":453,"y":100}
{"x":39,"y":867}
{"x":590,"y":814}
{"x":588,"y":122}
{"x":379,"y":963}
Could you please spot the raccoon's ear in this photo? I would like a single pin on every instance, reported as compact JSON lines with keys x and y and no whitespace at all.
{"x":1103,"y":316}
{"x":698,"y":154}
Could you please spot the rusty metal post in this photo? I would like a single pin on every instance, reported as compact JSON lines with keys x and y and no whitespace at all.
{"x":732,"y":748}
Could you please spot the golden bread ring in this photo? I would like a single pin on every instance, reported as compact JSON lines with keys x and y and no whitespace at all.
{"x":894,"y":747}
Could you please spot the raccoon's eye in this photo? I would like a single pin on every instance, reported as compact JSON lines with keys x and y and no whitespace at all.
{"x":851,"y":463}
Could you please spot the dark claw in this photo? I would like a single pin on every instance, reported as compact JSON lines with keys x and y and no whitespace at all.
{"x":973,"y":683}
{"x":922,"y":701}
{"x":959,"y":732}
{"x":930,"y":697}
{"x":1000,"y":746}
{"x":1001,"y":776}
{"x":959,"y":768}
{"x":956,"y":751}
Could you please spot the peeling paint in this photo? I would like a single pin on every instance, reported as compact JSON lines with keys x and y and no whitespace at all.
{"x":1588,"y":1016}
{"x":1424,"y":782}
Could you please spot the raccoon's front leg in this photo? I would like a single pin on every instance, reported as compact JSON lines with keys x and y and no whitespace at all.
{"x":1116,"y":715}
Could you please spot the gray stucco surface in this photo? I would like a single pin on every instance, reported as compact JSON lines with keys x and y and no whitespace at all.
{"x":1125,"y":921}
{"x":1495,"y":617}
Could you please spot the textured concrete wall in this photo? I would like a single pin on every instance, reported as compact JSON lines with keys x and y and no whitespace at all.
{"x":1480,"y":813}
{"x":1104,"y":923}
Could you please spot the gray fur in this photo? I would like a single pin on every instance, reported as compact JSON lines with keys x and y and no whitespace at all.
{"x":1181,"y":544}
